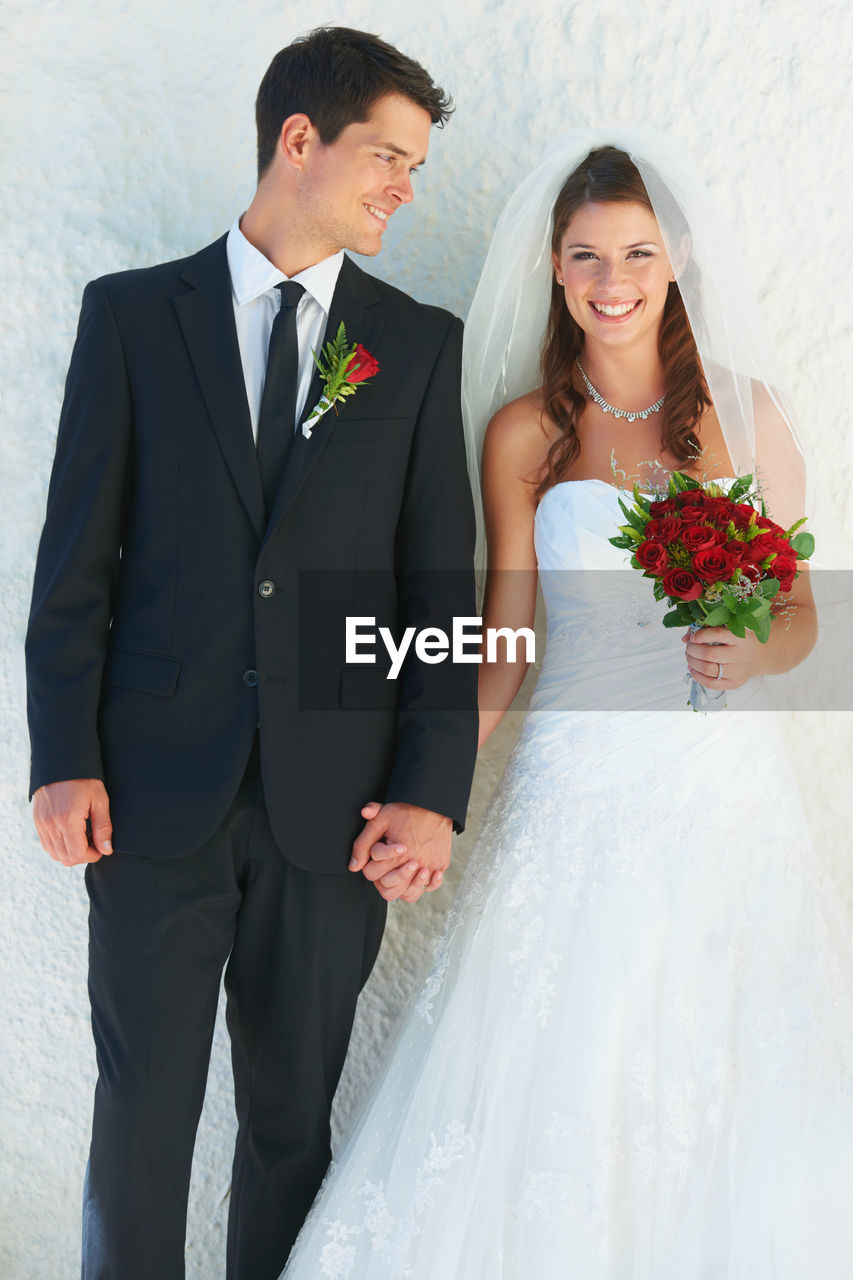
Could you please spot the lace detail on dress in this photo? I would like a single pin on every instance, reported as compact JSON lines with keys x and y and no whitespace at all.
{"x":391,"y":1236}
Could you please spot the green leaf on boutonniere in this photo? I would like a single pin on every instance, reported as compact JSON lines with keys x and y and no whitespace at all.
{"x":340,"y":378}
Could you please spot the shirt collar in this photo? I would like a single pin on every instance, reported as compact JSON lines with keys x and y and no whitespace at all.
{"x":252,"y":274}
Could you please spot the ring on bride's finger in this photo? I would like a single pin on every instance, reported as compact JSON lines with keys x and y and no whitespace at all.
{"x":719,"y":674}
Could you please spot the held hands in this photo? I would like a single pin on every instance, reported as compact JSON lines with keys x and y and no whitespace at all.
{"x":717,"y":659}
{"x":61,"y":811}
{"x":403,"y":850}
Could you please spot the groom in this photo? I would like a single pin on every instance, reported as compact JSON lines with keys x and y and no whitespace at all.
{"x":197,"y":736}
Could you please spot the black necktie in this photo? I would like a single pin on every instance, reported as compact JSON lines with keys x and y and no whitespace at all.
{"x":278,"y":406}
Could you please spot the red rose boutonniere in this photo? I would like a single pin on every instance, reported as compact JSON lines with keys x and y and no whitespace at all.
{"x":344,"y":366}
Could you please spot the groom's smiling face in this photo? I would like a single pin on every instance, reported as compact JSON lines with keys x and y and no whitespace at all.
{"x":351,"y":187}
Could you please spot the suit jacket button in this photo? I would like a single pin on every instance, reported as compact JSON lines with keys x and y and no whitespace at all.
{"x":250,"y":678}
{"x":266,"y":589}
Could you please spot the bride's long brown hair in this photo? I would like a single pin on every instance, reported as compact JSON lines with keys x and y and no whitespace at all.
{"x":608,"y":175}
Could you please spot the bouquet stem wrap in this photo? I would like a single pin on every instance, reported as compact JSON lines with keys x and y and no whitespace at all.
{"x":700,"y":698}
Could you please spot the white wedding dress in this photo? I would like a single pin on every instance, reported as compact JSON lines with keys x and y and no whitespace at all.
{"x":631,"y":1057}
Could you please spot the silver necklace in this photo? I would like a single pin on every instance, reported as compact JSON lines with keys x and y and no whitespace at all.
{"x":618,"y":413}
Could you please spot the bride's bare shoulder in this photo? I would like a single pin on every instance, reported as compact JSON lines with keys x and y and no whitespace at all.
{"x":519,"y":435}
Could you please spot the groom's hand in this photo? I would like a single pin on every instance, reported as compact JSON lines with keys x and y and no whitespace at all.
{"x":404,"y":850}
{"x":73,"y":820}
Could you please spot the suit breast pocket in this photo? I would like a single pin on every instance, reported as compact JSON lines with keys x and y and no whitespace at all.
{"x":350,"y":431}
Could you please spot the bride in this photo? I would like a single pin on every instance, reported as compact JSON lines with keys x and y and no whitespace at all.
{"x":631,"y":1056}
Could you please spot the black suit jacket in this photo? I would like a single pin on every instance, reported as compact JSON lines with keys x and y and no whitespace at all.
{"x":152,"y":655}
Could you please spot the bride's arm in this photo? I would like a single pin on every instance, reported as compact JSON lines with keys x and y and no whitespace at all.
{"x":794,"y":631}
{"x":512,"y":451}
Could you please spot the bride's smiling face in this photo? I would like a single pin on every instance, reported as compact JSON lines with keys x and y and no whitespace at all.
{"x":615,"y":272}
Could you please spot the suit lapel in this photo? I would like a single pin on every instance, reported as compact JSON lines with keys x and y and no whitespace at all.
{"x":354,"y":303}
{"x":206,"y":316}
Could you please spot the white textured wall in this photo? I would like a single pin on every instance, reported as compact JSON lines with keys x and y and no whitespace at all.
{"x":129,"y":139}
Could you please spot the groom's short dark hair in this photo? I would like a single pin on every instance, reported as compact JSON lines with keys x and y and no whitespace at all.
{"x":334,"y":75}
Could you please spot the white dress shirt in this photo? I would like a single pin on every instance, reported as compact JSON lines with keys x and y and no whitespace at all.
{"x":256,"y":302}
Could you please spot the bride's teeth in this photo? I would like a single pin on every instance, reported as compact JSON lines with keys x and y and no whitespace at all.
{"x":610,"y":309}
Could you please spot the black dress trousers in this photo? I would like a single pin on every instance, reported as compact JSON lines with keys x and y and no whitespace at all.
{"x":297,"y":948}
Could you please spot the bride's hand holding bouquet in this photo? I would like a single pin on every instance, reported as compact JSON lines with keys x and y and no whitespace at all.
{"x":722,"y":564}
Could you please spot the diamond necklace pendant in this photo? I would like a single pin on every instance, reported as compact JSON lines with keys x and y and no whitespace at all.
{"x":630,"y":416}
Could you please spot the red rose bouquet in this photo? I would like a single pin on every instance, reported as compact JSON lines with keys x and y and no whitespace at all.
{"x":715,"y":556}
